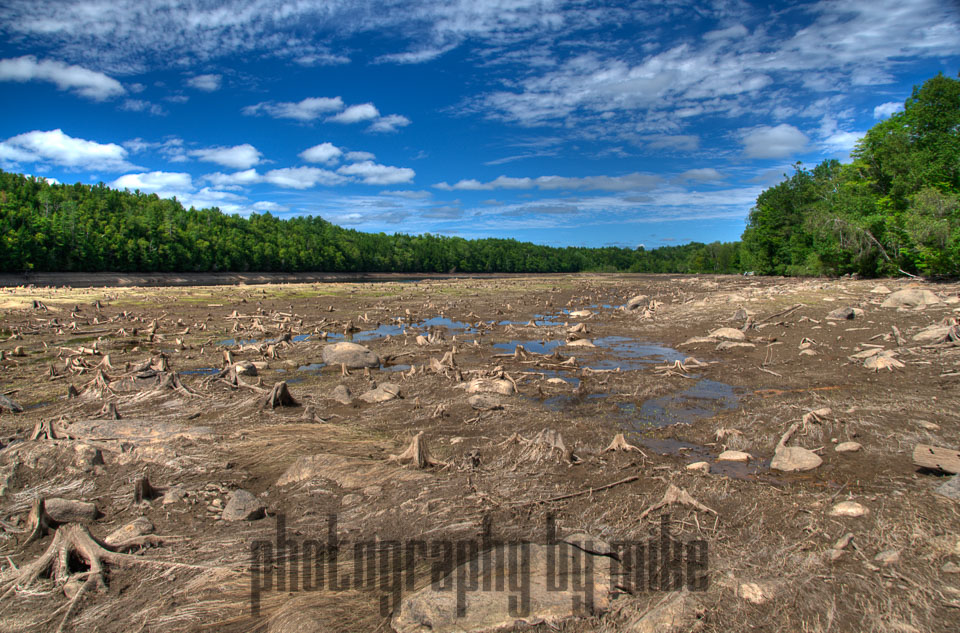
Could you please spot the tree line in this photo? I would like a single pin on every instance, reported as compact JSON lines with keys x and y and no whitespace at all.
{"x":92,"y":228}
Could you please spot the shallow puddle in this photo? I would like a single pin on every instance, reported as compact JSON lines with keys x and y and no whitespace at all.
{"x":537,"y":347}
{"x":703,"y":399}
{"x":203,"y":371}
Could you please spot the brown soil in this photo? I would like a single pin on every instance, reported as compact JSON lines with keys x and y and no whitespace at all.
{"x":211,"y":433}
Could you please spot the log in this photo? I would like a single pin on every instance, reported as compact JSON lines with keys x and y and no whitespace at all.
{"x":937,"y":458}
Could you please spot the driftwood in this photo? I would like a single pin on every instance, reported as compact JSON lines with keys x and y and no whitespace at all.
{"x":937,"y":458}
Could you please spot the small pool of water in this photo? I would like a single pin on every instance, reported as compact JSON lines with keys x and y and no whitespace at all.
{"x":382,"y":331}
{"x":395,"y":368}
{"x":632,"y":354}
{"x":203,"y":371}
{"x":446,"y":323}
{"x":537,"y":347}
{"x":313,"y":367}
{"x":703,"y":399}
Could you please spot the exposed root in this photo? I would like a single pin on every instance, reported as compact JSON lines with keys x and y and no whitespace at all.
{"x":417,"y":454}
{"x":675,"y":495}
{"x":279,"y":396}
{"x":45,"y":430}
{"x":620,"y":443}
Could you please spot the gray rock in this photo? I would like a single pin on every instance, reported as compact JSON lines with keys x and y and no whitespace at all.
{"x":242,"y":506}
{"x":137,"y":527}
{"x":845,"y":314}
{"x":384,"y":392}
{"x":68,"y":511}
{"x":174,"y":494}
{"x":245,"y":368}
{"x":792,"y":459}
{"x":950,"y":488}
{"x":485,"y":402}
{"x":352,"y":355}
{"x":635,"y":302}
{"x":342,"y":394}
{"x":910,"y":298}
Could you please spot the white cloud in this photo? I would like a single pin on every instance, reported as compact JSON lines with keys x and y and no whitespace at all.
{"x":703,"y":174}
{"x":206,"y":83}
{"x":884,"y":110}
{"x":238,"y":178}
{"x":326,"y":153}
{"x":61,"y":149}
{"x":842,"y":142}
{"x":238,"y":156}
{"x":85,"y":82}
{"x":356,"y":114}
{"x":306,"y":110}
{"x":139,"y":105}
{"x":163,"y":183}
{"x":266,"y":205}
{"x":389,"y":123}
{"x":356,"y":157}
{"x":414,"y":57}
{"x":627,"y":182}
{"x":302,"y":177}
{"x":773,"y":142}
{"x":374,"y":174}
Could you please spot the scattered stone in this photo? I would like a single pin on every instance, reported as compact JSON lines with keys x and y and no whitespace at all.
{"x":677,"y":612}
{"x":485,"y":402}
{"x":910,"y":298}
{"x":581,"y":314}
{"x":174,"y":494}
{"x":384,"y":392}
{"x":352,"y":355}
{"x":734,"y":456}
{"x":887,"y":558}
{"x":849,"y":509}
{"x":490,"y":385}
{"x":848,"y":447}
{"x":950,"y":567}
{"x":245,"y":368}
{"x":68,"y":511}
{"x":137,"y":527}
{"x":932,"y":334}
{"x":242,"y":506}
{"x":845,"y":314}
{"x":635,"y":302}
{"x":341,"y":393}
{"x":701,"y":467}
{"x":950,"y":488}
{"x":880,"y":290}
{"x":752,"y":593}
{"x":792,"y":459}
{"x":727,"y":333}
{"x":580,"y":342}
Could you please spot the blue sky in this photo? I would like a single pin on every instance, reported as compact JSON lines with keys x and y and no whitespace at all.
{"x":583,"y":123}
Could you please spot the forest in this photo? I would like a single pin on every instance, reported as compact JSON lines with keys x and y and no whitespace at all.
{"x":893,"y":210}
{"x":47,"y":227}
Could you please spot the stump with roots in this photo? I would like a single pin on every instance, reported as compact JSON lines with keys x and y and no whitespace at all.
{"x":171,"y":381}
{"x":109,"y":412}
{"x":73,"y":544}
{"x":279,"y":396}
{"x":417,"y":454}
{"x":548,"y":444}
{"x":143,"y":491}
{"x":675,"y":495}
{"x":620,"y":443}
{"x":46,"y":430}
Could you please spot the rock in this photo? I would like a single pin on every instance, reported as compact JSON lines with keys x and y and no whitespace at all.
{"x":485,"y":402}
{"x":950,"y":488}
{"x":88,"y":455}
{"x":887,"y":558}
{"x":242,"y":506}
{"x":137,"y":527}
{"x":928,"y":426}
{"x":635,"y":302}
{"x":752,"y":593}
{"x":734,"y":456}
{"x":174,"y":494}
{"x":792,"y":459}
{"x":431,"y":609}
{"x":727,"y":333}
{"x":932,"y":334}
{"x":950,"y":567}
{"x":580,"y":342}
{"x":490,"y":385}
{"x":352,"y":355}
{"x":245,"y":368}
{"x":68,"y":511}
{"x":849,"y":509}
{"x":880,"y":290}
{"x":384,"y":392}
{"x":700,"y":467}
{"x":581,"y":314}
{"x":910,"y":298}
{"x":845,"y":314}
{"x":677,"y":612}
{"x":848,"y":447}
{"x":341,"y":393}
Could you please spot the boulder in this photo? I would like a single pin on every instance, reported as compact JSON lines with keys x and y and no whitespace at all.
{"x":242,"y":506}
{"x":384,"y":392}
{"x":910,"y":298}
{"x":849,"y":509}
{"x":728,"y":334}
{"x":792,"y":459}
{"x":245,"y":368}
{"x":635,"y":302}
{"x":485,"y":402}
{"x":341,"y":393}
{"x":352,"y":355}
{"x":490,"y":385}
{"x":932,"y":334}
{"x":845,"y":314}
{"x":848,"y":447}
{"x":734,"y":456}
{"x":580,"y":342}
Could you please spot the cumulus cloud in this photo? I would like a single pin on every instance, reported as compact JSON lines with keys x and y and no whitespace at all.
{"x":375,"y":174}
{"x":83,"y":81}
{"x":206,"y":83}
{"x":163,"y":183}
{"x":306,"y":110}
{"x":703,"y":174}
{"x":773,"y":142}
{"x":389,"y":123}
{"x":326,"y":153}
{"x":61,"y":149}
{"x":356,"y":114}
{"x":356,"y":157}
{"x":237,"y":178}
{"x":884,"y":110}
{"x":238,"y":156}
{"x":302,"y":177}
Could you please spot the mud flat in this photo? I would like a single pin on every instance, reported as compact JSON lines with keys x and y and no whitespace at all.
{"x":155,"y":441}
